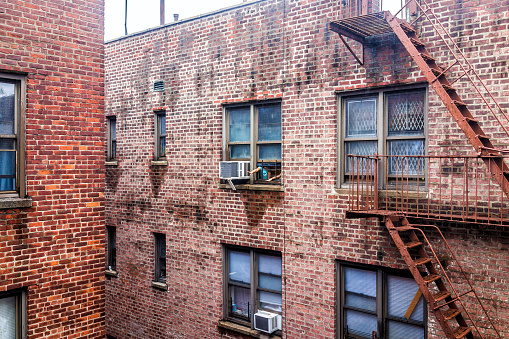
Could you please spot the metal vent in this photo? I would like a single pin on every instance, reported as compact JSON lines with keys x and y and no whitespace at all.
{"x":159,"y":86}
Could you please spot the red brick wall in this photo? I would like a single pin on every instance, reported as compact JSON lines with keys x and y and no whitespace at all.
{"x":269,"y":49}
{"x":55,"y":249}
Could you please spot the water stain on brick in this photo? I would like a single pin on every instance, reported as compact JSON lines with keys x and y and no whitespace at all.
{"x":256,"y":205}
{"x":156,"y":175}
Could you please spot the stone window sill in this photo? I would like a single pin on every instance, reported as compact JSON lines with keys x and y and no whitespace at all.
{"x":111,"y":273}
{"x":231,"y":326}
{"x":254,"y":187}
{"x":111,"y":163}
{"x":11,"y":203}
{"x":159,"y":285}
{"x":159,"y":162}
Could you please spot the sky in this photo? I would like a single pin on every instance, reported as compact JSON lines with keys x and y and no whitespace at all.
{"x":144,"y":14}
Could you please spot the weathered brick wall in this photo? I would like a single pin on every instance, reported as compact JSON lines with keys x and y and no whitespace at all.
{"x":55,"y":249}
{"x":267,"y":49}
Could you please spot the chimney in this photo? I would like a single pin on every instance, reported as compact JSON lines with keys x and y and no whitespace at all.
{"x":175,"y":17}
{"x":162,"y":12}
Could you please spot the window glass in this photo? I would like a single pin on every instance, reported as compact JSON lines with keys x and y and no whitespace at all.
{"x":269,"y":123}
{"x":406,"y":165}
{"x":7,"y":108}
{"x":360,"y":288}
{"x":7,"y":170}
{"x":240,"y":301}
{"x":240,"y":152}
{"x":269,"y":152}
{"x":397,"y":330}
{"x":400,"y":293}
{"x":8,"y":317}
{"x":270,"y":301}
{"x":360,"y":118}
{"x":269,"y":272}
{"x":405,"y":113}
{"x":240,"y":267}
{"x":162,"y":134}
{"x":240,"y":125}
{"x":360,"y":324}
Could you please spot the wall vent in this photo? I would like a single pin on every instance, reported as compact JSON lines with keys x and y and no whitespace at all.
{"x":159,"y":86}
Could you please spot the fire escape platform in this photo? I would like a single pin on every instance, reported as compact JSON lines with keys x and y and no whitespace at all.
{"x":360,"y":27}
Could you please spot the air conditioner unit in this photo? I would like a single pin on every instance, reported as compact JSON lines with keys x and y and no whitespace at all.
{"x":234,"y":170}
{"x":267,"y":322}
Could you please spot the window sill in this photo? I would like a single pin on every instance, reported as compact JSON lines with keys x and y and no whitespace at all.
{"x":159,"y":285}
{"x":10,"y":203}
{"x":111,"y":163}
{"x":254,"y":187}
{"x":384,"y":193}
{"x":111,"y":273}
{"x":230,"y":326}
{"x":159,"y":163}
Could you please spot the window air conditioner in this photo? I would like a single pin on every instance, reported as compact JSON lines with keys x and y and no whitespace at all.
{"x":233,"y":170}
{"x":267,"y":322}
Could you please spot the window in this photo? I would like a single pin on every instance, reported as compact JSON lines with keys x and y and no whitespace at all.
{"x":13,"y":314}
{"x":112,"y":138}
{"x":112,"y":248}
{"x":390,"y":122}
{"x":386,"y":302}
{"x":253,"y":282}
{"x":253,"y":133}
{"x":160,"y":258}
{"x":160,"y":135}
{"x":12,"y":143}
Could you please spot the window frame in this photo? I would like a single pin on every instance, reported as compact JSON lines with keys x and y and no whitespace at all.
{"x":254,"y":143}
{"x":382,"y":274}
{"x":112,"y":138}
{"x":159,"y":257}
{"x":111,"y":263}
{"x":20,"y":141}
{"x":381,"y":94}
{"x":159,"y":154}
{"x":21,"y":310}
{"x":253,"y":286}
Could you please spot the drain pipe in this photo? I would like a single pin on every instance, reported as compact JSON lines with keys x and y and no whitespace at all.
{"x":162,"y":12}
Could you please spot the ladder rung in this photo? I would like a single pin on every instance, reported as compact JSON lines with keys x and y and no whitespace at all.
{"x":430,"y":278}
{"x":427,"y":57}
{"x":417,"y":42}
{"x":461,"y":332}
{"x":451,"y":313}
{"x":422,"y":261}
{"x":448,"y":87}
{"x":441,"y":295}
{"x":404,"y":228}
{"x":437,"y":72}
{"x":407,"y":27}
{"x":468,"y":119}
{"x":413,"y":244}
{"x":482,"y":136}
{"x":459,"y":103}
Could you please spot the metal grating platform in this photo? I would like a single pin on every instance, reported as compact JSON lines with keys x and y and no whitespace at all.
{"x":360,"y":27}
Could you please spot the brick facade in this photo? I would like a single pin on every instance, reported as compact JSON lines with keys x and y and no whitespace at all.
{"x":258,"y":51}
{"x":54,"y":250}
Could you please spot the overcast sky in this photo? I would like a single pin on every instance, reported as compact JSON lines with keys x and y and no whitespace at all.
{"x":143,"y":14}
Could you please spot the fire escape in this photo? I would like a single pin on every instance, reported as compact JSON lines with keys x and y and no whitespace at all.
{"x":424,"y":191}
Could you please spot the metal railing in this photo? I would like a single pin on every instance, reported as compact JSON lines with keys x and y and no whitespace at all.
{"x":456,"y":188}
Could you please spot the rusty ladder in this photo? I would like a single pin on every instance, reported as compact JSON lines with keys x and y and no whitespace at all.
{"x":444,"y":304}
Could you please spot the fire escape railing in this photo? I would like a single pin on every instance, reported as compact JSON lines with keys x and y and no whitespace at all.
{"x":456,"y":188}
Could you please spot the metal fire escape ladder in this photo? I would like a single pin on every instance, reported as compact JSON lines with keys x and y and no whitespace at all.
{"x":445,"y":303}
{"x":361,"y":27}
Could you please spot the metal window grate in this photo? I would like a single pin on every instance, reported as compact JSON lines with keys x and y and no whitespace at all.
{"x":159,"y":86}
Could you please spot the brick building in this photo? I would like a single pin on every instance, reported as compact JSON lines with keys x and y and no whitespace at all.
{"x":52,"y":169}
{"x":270,"y":84}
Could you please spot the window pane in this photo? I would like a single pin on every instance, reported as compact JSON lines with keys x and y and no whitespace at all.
{"x":270,"y":301}
{"x":396,"y":330}
{"x":7,"y":108}
{"x":359,"y":148}
{"x":240,"y":151}
{"x":6,"y":143}
{"x":410,"y":166}
{"x":240,"y":298}
{"x":269,"y":264}
{"x":162,"y":146}
{"x":239,"y":266}
{"x":240,"y":124}
{"x":7,"y":171}
{"x":406,"y":113}
{"x":269,"y":282}
{"x":360,"y":118}
{"x":400,"y":293}
{"x":8,"y":318}
{"x":113,"y":124}
{"x":360,"y":288}
{"x":269,"y":123}
{"x":162,"y":124}
{"x":269,"y":152}
{"x":361,"y":324}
